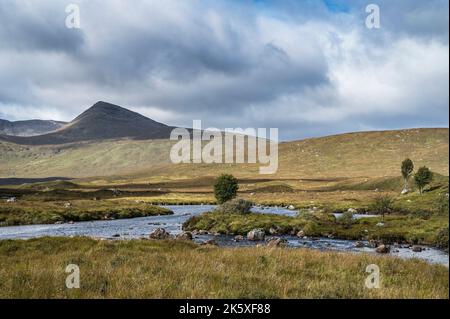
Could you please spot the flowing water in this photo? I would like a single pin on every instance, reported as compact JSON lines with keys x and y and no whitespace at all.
{"x":142,"y":227}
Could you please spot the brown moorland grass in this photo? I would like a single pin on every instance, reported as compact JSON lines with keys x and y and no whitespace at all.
{"x":371,"y":154}
{"x":169,"y":269}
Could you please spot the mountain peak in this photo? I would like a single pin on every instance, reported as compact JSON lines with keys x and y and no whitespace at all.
{"x":105,"y":105}
{"x":104,"y":121}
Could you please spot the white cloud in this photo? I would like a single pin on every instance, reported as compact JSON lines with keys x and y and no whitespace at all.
{"x":229,"y":64}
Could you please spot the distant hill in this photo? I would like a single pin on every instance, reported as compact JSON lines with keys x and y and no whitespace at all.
{"x":29,"y":128}
{"x":355,"y":155}
{"x":100,"y":122}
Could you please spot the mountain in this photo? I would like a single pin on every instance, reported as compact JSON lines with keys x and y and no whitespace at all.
{"x":29,"y":128}
{"x":102,"y":121}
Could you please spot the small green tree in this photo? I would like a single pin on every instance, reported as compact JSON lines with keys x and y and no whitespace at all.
{"x":225,"y":188}
{"x":382,"y":205}
{"x":407,"y":170}
{"x":423,"y":177}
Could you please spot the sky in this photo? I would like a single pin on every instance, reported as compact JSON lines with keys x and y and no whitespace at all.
{"x":309,"y":68}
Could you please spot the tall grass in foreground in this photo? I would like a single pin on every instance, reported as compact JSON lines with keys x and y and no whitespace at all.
{"x":160,"y":269}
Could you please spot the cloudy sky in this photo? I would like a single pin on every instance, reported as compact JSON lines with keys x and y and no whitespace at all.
{"x":309,"y":68}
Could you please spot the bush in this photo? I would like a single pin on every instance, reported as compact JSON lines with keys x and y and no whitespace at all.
{"x":311,"y":229}
{"x":235,"y":206}
{"x":442,"y":239}
{"x":346,"y":219}
{"x":382,"y":205}
{"x":225,"y":188}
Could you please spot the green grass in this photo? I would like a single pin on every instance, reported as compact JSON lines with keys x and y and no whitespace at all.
{"x":170,"y":269}
{"x":42,"y":212}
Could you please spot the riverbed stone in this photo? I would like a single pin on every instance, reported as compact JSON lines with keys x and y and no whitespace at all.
{"x":238,"y":238}
{"x":274,"y":230}
{"x":277,"y":242}
{"x":301,"y":234}
{"x":416,"y":249}
{"x":256,"y":235}
{"x":382,"y":249}
{"x":359,"y":244}
{"x":184,"y":236}
{"x":160,"y":233}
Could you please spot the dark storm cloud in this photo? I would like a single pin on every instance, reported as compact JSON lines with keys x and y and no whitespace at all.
{"x":36,"y":26}
{"x":307,"y":67}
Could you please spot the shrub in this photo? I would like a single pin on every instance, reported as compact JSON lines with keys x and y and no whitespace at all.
{"x":442,"y":239}
{"x":311,"y":229}
{"x":225,"y":188}
{"x":382,"y":205}
{"x":235,"y":206}
{"x":346,"y":219}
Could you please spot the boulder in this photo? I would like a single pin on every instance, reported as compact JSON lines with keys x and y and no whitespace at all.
{"x":238,"y":238}
{"x":404,"y":191}
{"x":159,"y":233}
{"x":382,"y":249}
{"x":277,"y":242}
{"x":380,"y":225}
{"x":352,"y":211}
{"x":11,"y":200}
{"x":358,"y":244}
{"x":374,"y":243}
{"x":291,"y":207}
{"x":301,"y":234}
{"x":416,"y":249}
{"x":256,"y":235}
{"x":184,"y":236}
{"x":274,"y":230}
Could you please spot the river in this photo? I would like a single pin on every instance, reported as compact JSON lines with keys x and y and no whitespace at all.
{"x":142,"y":227}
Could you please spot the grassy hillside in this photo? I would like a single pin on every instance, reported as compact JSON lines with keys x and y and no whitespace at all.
{"x":366,"y":154}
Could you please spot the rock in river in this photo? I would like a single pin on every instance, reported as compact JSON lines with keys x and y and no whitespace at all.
{"x":382,"y":249}
{"x":160,"y":233}
{"x":358,"y":244}
{"x":184,"y":236}
{"x":256,"y":235}
{"x":416,"y":249}
{"x":277,"y":242}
